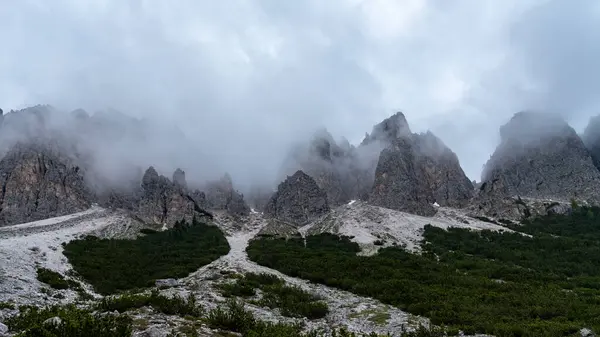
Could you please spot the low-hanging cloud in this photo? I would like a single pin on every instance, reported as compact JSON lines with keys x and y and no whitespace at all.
{"x":245,"y":79}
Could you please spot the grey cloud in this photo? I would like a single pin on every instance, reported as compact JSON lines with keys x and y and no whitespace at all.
{"x":246,"y":79}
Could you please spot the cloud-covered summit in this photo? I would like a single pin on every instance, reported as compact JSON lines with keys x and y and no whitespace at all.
{"x":244,"y":79}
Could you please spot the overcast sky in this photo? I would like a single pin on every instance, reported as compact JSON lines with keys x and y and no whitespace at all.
{"x":244,"y":77}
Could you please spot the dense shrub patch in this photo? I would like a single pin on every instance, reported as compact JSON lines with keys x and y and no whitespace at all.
{"x":56,"y":280}
{"x":75,"y":323}
{"x":506,"y":284}
{"x":291,"y":300}
{"x":113,"y":265}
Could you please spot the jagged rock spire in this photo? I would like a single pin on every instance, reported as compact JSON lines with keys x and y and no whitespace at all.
{"x":298,"y":200}
{"x":179,"y":178}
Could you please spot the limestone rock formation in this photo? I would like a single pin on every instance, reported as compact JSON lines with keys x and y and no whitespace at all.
{"x":591,"y":139}
{"x":298,"y":200}
{"x":400,"y":181}
{"x":442,"y":172}
{"x":348,"y":173}
{"x":389,"y":130}
{"x":416,"y":170}
{"x":39,"y":182}
{"x":220,"y":195}
{"x":164,"y":202}
{"x":540,"y":157}
{"x":179,"y":179}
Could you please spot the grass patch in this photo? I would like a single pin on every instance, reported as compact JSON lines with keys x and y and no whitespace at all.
{"x":504,"y":284}
{"x":376,"y":316}
{"x":56,"y":281}
{"x":291,"y":300}
{"x":114,"y":265}
{"x":167,"y":305}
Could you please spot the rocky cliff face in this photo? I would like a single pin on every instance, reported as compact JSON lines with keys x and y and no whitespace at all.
{"x":220,"y":195}
{"x":591,"y":139}
{"x":39,"y":182}
{"x":540,"y":157}
{"x":165,"y":202}
{"x":416,"y":170}
{"x":400,"y":182}
{"x":331,"y":165}
{"x":298,"y":200}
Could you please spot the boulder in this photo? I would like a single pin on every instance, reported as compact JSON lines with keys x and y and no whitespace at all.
{"x":166,"y":283}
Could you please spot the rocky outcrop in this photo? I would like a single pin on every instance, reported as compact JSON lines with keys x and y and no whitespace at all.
{"x":164,"y":202}
{"x":591,"y":139}
{"x":39,"y":182}
{"x":400,"y":182}
{"x":349,"y":173}
{"x":442,"y":172}
{"x":494,"y":200}
{"x":389,"y":130}
{"x":328,"y":163}
{"x":220,"y":195}
{"x":540,"y":157}
{"x":298,"y":200}
{"x":179,"y":179}
{"x":416,"y":171}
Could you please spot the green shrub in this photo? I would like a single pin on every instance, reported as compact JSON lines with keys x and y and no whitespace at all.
{"x":148,"y":231}
{"x":167,"y":305}
{"x":6,"y":305}
{"x":500,"y":283}
{"x":293,"y":301}
{"x":113,"y":265}
{"x":234,"y":317}
{"x":75,"y":323}
{"x":56,"y":280}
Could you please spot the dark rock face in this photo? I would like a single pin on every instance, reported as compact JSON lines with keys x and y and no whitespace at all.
{"x":163,"y":201}
{"x":199,"y":198}
{"x":298,"y":200}
{"x":442,"y":172}
{"x":179,"y":179}
{"x":38,"y":182}
{"x":541,"y":156}
{"x":389,"y":130}
{"x":341,"y":170}
{"x":220,"y":195}
{"x":400,"y":182}
{"x":415,"y":171}
{"x":591,"y":139}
